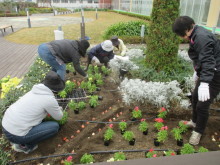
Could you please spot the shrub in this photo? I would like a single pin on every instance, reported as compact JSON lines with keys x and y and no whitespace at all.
{"x":203,"y":149}
{"x":131,"y":28}
{"x":187,"y":149}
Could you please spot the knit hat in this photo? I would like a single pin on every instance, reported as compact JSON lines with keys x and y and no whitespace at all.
{"x":107,"y":45}
{"x":83,"y":46}
{"x":54,"y":82}
{"x":115,"y":41}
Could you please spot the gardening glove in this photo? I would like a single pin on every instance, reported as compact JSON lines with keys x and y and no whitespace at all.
{"x":95,"y":60}
{"x":195,"y":77}
{"x":61,"y":108}
{"x":203,"y":92}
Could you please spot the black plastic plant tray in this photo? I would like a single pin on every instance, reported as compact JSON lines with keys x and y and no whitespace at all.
{"x":63,"y":103}
{"x":76,"y":94}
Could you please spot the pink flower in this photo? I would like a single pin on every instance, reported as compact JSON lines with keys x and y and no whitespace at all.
{"x":143,"y":119}
{"x":111,"y":125}
{"x":69,"y":158}
{"x":164,"y":128}
{"x":185,"y":122}
{"x":136,"y":108}
{"x":123,"y":120}
{"x":155,"y":155}
{"x":163,"y":109}
{"x":151,"y":150}
{"x":159,"y":120}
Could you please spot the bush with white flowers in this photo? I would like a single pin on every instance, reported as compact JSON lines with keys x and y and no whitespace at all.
{"x":159,"y":94}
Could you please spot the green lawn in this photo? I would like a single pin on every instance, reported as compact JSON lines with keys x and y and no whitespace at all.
{"x":94,"y":29}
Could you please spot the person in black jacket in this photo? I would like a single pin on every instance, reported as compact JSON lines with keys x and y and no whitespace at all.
{"x":60,"y":52}
{"x":204,"y":51}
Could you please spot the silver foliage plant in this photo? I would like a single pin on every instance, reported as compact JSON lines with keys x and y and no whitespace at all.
{"x":135,"y":53}
{"x":184,"y":55}
{"x":159,"y":94}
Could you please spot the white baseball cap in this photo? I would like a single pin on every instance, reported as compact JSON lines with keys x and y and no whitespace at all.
{"x":107,"y":45}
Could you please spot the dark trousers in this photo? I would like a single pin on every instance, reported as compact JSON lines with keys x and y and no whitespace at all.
{"x":201,"y":109}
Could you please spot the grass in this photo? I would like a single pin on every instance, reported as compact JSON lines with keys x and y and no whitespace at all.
{"x":94,"y":29}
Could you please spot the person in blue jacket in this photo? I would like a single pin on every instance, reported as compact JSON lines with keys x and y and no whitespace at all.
{"x":204,"y":51}
{"x":101,"y":53}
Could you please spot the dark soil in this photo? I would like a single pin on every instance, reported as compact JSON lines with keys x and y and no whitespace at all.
{"x":114,"y":109}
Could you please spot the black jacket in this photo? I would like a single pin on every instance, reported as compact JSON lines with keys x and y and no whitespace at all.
{"x":68,"y":51}
{"x":204,"y":50}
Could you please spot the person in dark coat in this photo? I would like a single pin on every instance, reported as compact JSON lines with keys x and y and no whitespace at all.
{"x":101,"y":53}
{"x":204,"y":51}
{"x":60,"y":52}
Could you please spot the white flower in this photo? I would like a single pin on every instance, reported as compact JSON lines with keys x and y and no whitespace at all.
{"x":111,"y":160}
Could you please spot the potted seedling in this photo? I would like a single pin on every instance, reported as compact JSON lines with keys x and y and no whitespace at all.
{"x":69,"y":86}
{"x":183,"y":127}
{"x":62,"y":94}
{"x":99,"y":82}
{"x":151,"y":154}
{"x":108,"y":135}
{"x":87,"y":159}
{"x":143,"y":127}
{"x":105,"y":70}
{"x":123,"y":127}
{"x":187,"y":149}
{"x":177,"y":135}
{"x":203,"y":149}
{"x":93,"y":102}
{"x":169,"y":153}
{"x":118,"y":156}
{"x":129,"y":136}
{"x":73,"y":106}
{"x":68,"y":160}
{"x":81,"y":105}
{"x":162,"y":113}
{"x":136,"y":113}
{"x":162,"y":135}
{"x":91,"y":88}
{"x":158,"y":123}
{"x":96,"y":69}
{"x":83,"y":85}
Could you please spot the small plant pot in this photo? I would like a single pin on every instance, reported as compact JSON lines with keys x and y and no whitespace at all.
{"x":179,"y":142}
{"x":76,"y":111}
{"x":122,"y":132}
{"x":92,"y":106}
{"x":67,"y":71}
{"x":145,"y":132}
{"x":74,"y":73}
{"x":98,"y":89}
{"x":133,"y":119}
{"x":100,"y":97}
{"x":178,"y":152}
{"x":156,"y":143}
{"x":132,"y":142}
{"x":91,"y":93}
{"x":106,"y":142}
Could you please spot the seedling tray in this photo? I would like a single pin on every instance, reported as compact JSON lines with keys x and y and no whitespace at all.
{"x":76,"y":94}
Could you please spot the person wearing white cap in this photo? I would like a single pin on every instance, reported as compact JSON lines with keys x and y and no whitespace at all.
{"x":101,"y":53}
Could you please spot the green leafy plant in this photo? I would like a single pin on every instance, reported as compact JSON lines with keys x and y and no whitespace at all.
{"x":99,"y":82}
{"x":176,"y":133}
{"x":123,"y":125}
{"x":143,"y":126}
{"x":187,"y":149}
{"x":96,"y":69}
{"x":105,"y":70}
{"x":128,"y":135}
{"x":83,"y":85}
{"x":119,"y":156}
{"x":162,"y":113}
{"x":72,"y":105}
{"x":81,"y":105}
{"x":169,"y":153}
{"x":91,"y":87}
{"x":158,"y":123}
{"x":203,"y":149}
{"x":87,"y":159}
{"x":70,"y":67}
{"x":136,"y":113}
{"x":162,"y":135}
{"x":108,"y":135}
{"x":183,"y":127}
{"x":151,"y":154}
{"x":62,"y":94}
{"x":61,"y":121}
{"x":69,"y":86}
{"x":93,"y":101}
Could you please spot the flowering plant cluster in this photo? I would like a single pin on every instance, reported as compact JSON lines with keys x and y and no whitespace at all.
{"x":143,"y":126}
{"x":136,"y":113}
{"x":68,"y":161}
{"x":162,"y":135}
{"x":169,"y":153}
{"x":158,"y":123}
{"x":162,"y":113}
{"x":108,"y":135}
{"x":177,"y":133}
{"x":182,"y":126}
{"x":151,"y":153}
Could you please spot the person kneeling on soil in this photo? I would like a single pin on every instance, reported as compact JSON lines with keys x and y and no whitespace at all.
{"x":101,"y":54}
{"x":58,"y":53}
{"x":22,"y":121}
{"x":119,"y":47}
{"x":204,"y":50}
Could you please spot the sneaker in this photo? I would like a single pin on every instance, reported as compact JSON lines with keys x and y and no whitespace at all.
{"x":190,"y":123}
{"x":195,"y":138}
{"x":24,"y":149}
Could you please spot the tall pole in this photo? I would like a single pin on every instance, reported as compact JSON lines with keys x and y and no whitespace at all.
{"x":96,"y":12}
{"x":28,"y":18}
{"x":82,"y":25}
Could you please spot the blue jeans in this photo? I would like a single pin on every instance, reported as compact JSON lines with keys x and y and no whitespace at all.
{"x":47,"y":56}
{"x":37,"y":134}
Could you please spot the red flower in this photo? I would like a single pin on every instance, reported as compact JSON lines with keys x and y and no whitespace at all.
{"x":163,"y":109}
{"x":155,"y":155}
{"x":164,"y":128}
{"x":136,"y":108}
{"x":151,"y":150}
{"x":48,"y":115}
{"x":159,"y":120}
{"x":173,"y":153}
{"x":143,"y":119}
{"x":185,"y":122}
{"x":69,"y":159}
{"x":111,"y":125}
